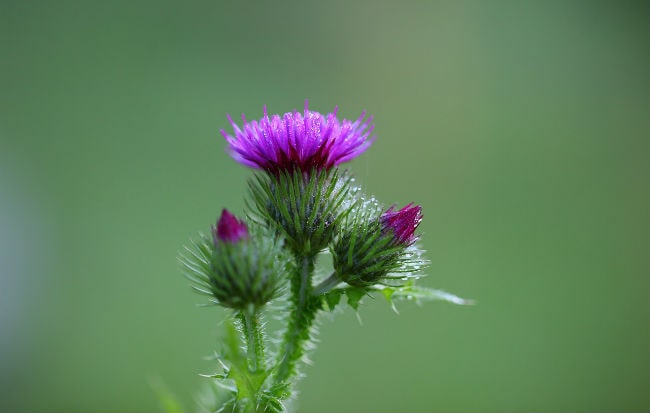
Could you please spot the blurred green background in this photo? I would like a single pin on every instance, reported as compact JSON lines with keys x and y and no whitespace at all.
{"x":521,"y":127}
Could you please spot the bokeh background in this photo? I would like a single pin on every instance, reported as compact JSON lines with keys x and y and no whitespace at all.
{"x":521,"y":127}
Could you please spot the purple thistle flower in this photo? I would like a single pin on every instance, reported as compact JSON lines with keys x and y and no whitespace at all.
{"x":305,"y":141}
{"x":229,"y":229}
{"x":402,"y":223}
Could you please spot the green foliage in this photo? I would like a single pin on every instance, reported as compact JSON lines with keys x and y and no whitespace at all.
{"x":412,"y":292}
{"x":354,"y":295}
{"x":293,"y":217}
{"x":241,"y":384}
{"x":332,"y":299}
{"x":247,"y":381}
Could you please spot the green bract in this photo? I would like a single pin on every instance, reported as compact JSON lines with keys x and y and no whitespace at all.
{"x":363,"y":254}
{"x":236,"y":275}
{"x":305,"y":208}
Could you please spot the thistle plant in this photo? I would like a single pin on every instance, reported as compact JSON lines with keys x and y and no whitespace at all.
{"x":301,"y":207}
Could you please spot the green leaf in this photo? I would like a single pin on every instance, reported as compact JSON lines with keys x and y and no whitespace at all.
{"x":239,"y":363}
{"x":412,"y":292}
{"x":272,"y":398}
{"x":248,"y":383}
{"x":388,"y":292}
{"x":168,"y":401}
{"x":332,"y":298}
{"x":354,"y":295}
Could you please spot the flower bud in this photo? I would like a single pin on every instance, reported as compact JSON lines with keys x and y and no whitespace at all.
{"x":238,"y":270}
{"x":229,"y":229}
{"x":403,"y":223}
{"x":374,"y":250}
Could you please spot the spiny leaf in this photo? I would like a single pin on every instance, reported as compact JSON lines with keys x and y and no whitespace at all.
{"x":354,"y":295}
{"x":417,"y":293}
{"x":332,"y":298}
{"x":388,"y":292}
{"x":248,"y":383}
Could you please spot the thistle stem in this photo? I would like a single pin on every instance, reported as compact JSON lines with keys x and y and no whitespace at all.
{"x":306,"y":271}
{"x":254,"y":339}
{"x":327,"y":284}
{"x":300,"y":320}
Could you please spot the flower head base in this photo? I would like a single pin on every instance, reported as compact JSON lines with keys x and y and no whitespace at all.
{"x":402,"y":223}
{"x":305,"y":209}
{"x":304,"y":141}
{"x":229,"y":229}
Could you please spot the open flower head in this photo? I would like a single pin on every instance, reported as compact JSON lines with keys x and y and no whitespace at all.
{"x":402,"y":223}
{"x":294,"y":140}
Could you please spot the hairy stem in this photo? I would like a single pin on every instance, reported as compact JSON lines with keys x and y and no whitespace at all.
{"x":327,"y":285}
{"x":304,"y":288}
{"x":301,"y":319}
{"x":254,"y":339}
